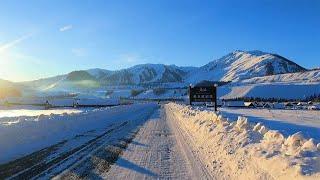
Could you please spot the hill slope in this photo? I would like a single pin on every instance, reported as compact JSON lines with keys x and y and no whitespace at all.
{"x":240,"y":65}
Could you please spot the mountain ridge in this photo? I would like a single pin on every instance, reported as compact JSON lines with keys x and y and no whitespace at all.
{"x":235,"y":66}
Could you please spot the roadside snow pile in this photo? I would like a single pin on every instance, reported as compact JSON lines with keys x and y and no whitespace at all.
{"x":22,"y":135}
{"x":243,"y":150}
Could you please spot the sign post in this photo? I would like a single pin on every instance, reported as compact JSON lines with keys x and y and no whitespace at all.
{"x":215,"y":99}
{"x":203,"y":94}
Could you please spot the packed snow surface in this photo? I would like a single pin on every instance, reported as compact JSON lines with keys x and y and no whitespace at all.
{"x":157,"y":152}
{"x":245,"y":150}
{"x":22,"y":135}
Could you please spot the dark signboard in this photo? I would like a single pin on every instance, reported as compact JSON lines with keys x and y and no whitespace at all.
{"x":202,"y":94}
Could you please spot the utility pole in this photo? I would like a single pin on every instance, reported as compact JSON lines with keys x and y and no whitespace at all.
{"x":190,"y":95}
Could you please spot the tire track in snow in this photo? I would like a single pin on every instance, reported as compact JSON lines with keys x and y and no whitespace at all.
{"x":158,"y":152}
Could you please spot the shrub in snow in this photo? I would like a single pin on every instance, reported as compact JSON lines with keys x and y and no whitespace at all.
{"x":263,"y":130}
{"x":292,"y":145}
{"x":221,"y":121}
{"x":260,"y":128}
{"x":257,"y":127}
{"x":242,"y":123}
{"x":274,"y":137}
{"x":309,"y":146}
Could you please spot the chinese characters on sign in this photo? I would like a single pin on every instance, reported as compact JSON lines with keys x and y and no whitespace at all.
{"x":203,"y":94}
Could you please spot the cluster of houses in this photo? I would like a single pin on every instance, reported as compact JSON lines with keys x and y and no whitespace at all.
{"x":62,"y":102}
{"x":273,"y":105}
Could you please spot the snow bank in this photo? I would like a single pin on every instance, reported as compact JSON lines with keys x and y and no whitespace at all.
{"x":243,"y":150}
{"x":23,"y":135}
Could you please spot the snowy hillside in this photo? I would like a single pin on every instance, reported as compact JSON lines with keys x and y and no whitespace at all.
{"x":276,"y":90}
{"x":45,"y":83}
{"x":305,"y":77}
{"x":72,"y":81}
{"x":240,"y":65}
{"x":144,"y":74}
{"x":98,"y":73}
{"x":300,"y":85}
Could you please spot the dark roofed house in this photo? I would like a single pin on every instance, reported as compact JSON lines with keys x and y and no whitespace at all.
{"x":249,"y":104}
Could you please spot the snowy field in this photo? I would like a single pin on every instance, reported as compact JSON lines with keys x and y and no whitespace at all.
{"x":262,"y":90}
{"x":286,"y":121}
{"x":25,"y":134}
{"x":34,"y":112}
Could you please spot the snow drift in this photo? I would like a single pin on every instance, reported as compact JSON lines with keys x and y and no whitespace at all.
{"x":242,"y":150}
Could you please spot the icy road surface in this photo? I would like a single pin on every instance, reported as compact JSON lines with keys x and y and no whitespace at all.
{"x":159,"y":151}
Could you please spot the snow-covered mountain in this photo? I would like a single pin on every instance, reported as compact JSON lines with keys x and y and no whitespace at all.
{"x":240,"y":65}
{"x":235,"y":66}
{"x":146,"y":74}
{"x":312,"y":76}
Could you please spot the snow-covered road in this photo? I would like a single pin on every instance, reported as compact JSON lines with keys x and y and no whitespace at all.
{"x":159,"y":151}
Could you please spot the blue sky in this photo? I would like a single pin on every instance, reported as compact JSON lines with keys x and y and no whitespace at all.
{"x":44,"y":38}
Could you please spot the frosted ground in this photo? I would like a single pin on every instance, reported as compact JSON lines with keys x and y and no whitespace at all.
{"x":286,"y":121}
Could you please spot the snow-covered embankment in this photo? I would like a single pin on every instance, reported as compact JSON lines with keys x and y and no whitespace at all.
{"x":241,"y":150}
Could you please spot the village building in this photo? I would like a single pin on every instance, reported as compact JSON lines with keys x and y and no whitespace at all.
{"x":249,"y":104}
